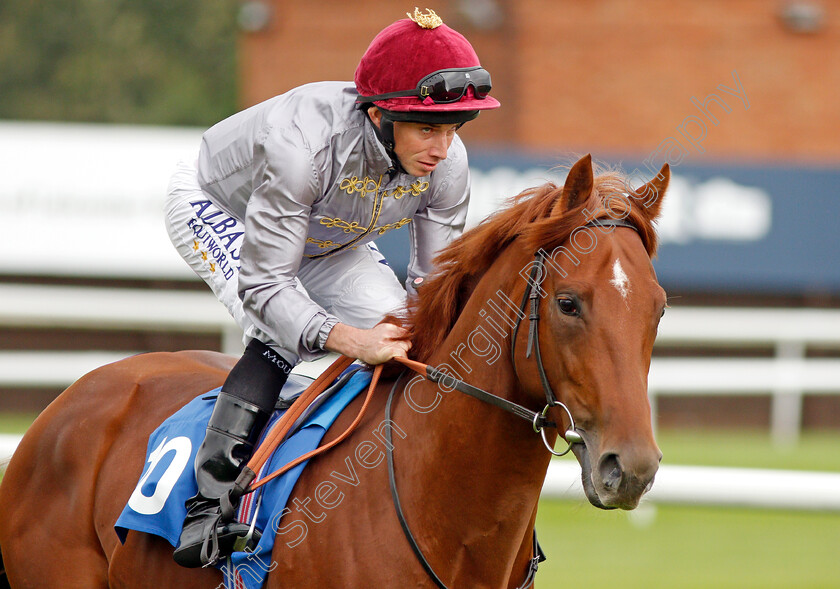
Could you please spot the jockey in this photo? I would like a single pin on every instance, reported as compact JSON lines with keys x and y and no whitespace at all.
{"x":278,"y":215}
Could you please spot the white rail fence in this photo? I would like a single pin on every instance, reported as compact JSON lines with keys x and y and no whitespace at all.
{"x":107,"y":309}
{"x":694,"y":485}
{"x":786,"y":376}
{"x":730,"y":487}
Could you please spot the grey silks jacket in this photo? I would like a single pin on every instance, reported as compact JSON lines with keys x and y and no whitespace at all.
{"x":309,"y":178}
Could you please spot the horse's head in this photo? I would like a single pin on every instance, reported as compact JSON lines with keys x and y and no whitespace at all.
{"x":599,"y":307}
{"x":584,"y":252}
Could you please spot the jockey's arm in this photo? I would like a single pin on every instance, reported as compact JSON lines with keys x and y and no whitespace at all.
{"x":276,"y":226}
{"x":372,"y":346}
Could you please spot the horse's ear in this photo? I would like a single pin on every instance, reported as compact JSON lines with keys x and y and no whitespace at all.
{"x":578,"y":186}
{"x":650,"y":195}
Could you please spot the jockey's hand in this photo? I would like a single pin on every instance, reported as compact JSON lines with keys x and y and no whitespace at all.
{"x":372,"y":346}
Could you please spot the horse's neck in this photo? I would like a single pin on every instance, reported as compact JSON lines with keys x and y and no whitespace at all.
{"x":470,"y":472}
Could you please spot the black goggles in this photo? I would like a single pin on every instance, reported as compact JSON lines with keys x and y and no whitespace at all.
{"x":444,"y":86}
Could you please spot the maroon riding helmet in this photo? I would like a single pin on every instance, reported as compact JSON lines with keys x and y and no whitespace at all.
{"x":420,"y":70}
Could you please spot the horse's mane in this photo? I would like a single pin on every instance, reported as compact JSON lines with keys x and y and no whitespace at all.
{"x":431,"y":314}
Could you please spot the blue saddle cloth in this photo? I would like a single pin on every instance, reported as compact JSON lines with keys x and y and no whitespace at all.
{"x":157,"y":505}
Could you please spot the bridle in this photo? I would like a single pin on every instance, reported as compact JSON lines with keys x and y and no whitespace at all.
{"x":538,"y":420}
{"x":532,"y":294}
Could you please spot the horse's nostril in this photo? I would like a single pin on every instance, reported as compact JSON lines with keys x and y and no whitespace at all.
{"x":610,"y":471}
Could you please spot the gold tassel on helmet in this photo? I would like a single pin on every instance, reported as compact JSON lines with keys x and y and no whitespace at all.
{"x":429,"y":20}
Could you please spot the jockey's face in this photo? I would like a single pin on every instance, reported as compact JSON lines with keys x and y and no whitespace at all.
{"x":420,"y":147}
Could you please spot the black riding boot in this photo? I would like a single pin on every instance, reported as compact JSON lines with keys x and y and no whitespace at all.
{"x":241,"y":412}
{"x":228,"y":444}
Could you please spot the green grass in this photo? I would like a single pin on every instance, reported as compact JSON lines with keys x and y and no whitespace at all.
{"x":16,"y":423}
{"x":687,"y":548}
{"x":815,"y":450}
{"x":684,"y":547}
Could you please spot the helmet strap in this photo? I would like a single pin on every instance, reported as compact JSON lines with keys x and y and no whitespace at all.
{"x":385,"y":134}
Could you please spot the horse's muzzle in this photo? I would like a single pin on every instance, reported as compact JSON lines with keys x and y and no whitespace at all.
{"x":618,"y":479}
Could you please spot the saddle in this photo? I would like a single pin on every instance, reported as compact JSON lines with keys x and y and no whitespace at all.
{"x":298,"y":383}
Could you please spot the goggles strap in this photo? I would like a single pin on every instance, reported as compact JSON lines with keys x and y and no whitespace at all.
{"x":422,"y":89}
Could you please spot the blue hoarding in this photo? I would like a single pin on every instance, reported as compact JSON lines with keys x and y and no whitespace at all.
{"x":742,"y":228}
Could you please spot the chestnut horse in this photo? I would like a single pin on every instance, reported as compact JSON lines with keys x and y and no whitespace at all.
{"x":468,"y":474}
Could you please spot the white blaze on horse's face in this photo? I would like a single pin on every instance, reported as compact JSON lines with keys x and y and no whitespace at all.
{"x":620,"y":280}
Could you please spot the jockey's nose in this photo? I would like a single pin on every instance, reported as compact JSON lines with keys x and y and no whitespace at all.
{"x":440,"y":145}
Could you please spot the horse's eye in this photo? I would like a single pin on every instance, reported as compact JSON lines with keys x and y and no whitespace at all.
{"x":568,"y":306}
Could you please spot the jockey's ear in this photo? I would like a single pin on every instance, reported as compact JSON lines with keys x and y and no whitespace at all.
{"x":375,"y":115}
{"x":578,"y":186}
{"x":649,"y":196}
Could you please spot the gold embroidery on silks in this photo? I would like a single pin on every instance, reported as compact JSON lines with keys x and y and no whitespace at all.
{"x":384,"y":228}
{"x":347,"y":227}
{"x":323,"y":244}
{"x":367,"y":185}
{"x":416,"y":188}
{"x":353,"y":227}
{"x":364,"y":187}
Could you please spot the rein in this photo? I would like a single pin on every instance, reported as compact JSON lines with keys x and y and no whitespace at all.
{"x":245,"y":482}
{"x":537,"y":552}
{"x":537,"y":419}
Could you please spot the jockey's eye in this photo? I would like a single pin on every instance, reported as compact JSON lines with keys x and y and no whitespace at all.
{"x":568,"y":306}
